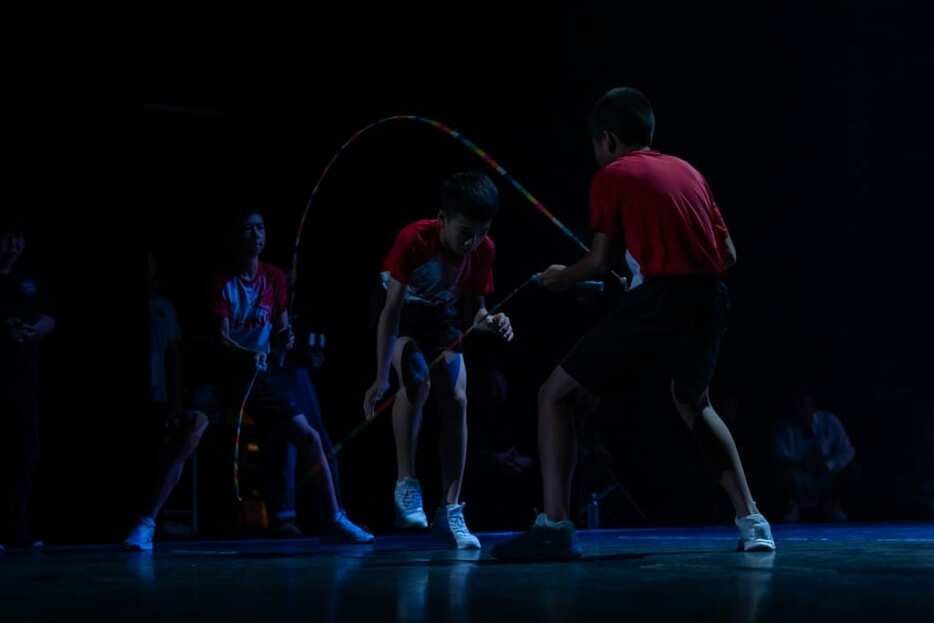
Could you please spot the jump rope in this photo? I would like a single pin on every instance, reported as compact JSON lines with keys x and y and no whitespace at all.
{"x":535,"y":278}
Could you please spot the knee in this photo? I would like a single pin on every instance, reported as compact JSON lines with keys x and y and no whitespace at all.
{"x":416,"y":380}
{"x":551,"y":394}
{"x":310,"y":438}
{"x":314,"y":440}
{"x":689,"y":404}
{"x":458,"y":398}
{"x":547,"y":394}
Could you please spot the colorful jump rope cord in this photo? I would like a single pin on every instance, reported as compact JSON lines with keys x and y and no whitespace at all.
{"x":463,"y":140}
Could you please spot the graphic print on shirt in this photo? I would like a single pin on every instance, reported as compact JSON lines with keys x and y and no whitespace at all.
{"x":432,"y":275}
{"x":251,"y":305}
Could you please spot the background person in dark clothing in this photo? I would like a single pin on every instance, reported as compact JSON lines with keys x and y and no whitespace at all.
{"x":25,"y":318}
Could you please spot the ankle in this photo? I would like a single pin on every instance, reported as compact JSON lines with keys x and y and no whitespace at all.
{"x":750,"y":509}
{"x":559,"y":523}
{"x":556,"y":518}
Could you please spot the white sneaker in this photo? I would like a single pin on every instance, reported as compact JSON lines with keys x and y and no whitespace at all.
{"x":140,"y":539}
{"x":409,"y":511}
{"x":449,"y":526}
{"x":755,"y":534}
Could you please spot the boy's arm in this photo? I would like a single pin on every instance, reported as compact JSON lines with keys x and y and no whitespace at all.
{"x":841,"y":451}
{"x":235,"y":348}
{"x":283,"y":338}
{"x":22,"y":331}
{"x":387,"y":332}
{"x":475,"y":313}
{"x":594,"y":264}
{"x":474,"y":309}
{"x":44,"y":326}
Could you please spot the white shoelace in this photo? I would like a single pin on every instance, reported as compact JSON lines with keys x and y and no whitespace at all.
{"x":410,"y":498}
{"x":457,"y":523}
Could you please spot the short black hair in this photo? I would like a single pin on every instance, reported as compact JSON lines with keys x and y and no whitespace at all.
{"x":471,"y":195}
{"x":627,"y":113}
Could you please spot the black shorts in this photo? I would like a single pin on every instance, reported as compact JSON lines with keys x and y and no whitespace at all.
{"x":669,"y":325}
{"x":433,"y":327}
{"x":271,"y":401}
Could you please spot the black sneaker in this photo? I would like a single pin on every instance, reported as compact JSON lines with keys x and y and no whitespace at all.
{"x":545,"y":540}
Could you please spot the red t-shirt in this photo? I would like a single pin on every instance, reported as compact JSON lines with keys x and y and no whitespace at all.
{"x":434,"y":275}
{"x":252,"y":305}
{"x":663,"y":209}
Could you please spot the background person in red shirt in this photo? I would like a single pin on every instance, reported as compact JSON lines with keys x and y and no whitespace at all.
{"x":250,"y":308}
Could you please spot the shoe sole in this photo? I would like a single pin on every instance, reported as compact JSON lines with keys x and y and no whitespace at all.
{"x":446,"y":538}
{"x":408,"y":525}
{"x":467,"y":547}
{"x":455,"y":545}
{"x":132,"y":547}
{"x":758,"y":545}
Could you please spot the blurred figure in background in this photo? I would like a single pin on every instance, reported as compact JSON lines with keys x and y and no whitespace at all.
{"x":815,"y":456}
{"x":26,"y":317}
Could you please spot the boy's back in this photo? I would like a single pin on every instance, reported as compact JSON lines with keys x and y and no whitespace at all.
{"x":663,"y":209}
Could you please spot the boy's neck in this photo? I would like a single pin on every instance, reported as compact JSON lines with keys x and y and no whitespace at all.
{"x":249,"y":267}
{"x":625,"y":149}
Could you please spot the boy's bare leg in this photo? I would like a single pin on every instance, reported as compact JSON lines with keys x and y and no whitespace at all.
{"x":558,"y":401}
{"x":721,"y":448}
{"x":450,"y":383}
{"x":311,"y":451}
{"x":412,"y":370}
{"x":308,"y":443}
{"x":172,"y":462}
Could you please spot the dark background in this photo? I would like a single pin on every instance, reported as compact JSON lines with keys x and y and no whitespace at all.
{"x":811,"y":123}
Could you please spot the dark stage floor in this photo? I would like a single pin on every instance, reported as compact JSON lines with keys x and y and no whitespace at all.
{"x":820,"y":573}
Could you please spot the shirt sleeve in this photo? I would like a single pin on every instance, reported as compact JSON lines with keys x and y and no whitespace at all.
{"x":401,"y":260}
{"x":280,"y":284}
{"x":604,"y":211}
{"x":841,"y":449}
{"x":721,"y":231}
{"x":220,"y":303}
{"x":480,"y":280}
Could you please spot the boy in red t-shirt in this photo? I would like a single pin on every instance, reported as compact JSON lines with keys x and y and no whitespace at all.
{"x":250,"y":309}
{"x":434,"y":279}
{"x":660,"y":209}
